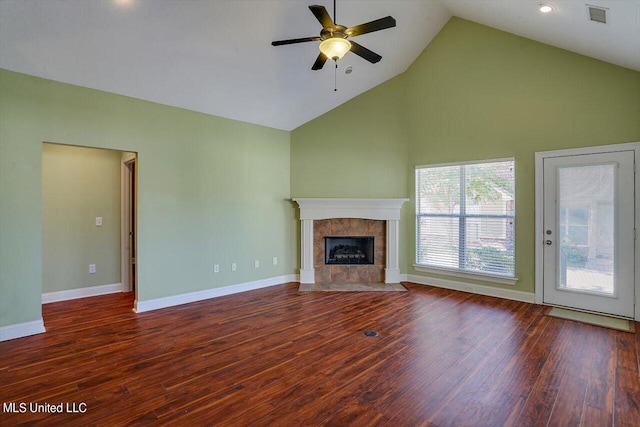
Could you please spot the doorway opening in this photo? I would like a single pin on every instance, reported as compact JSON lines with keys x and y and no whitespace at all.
{"x":83,"y":191}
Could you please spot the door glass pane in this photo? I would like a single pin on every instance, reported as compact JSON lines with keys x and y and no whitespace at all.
{"x":586,"y":227}
{"x":578,"y":235}
{"x":579,"y":215}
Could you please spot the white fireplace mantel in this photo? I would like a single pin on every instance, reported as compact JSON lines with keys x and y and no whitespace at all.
{"x":381,"y":209}
{"x":378,"y":209}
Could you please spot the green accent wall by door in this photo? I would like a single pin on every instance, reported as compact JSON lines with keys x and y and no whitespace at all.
{"x":474,"y":93}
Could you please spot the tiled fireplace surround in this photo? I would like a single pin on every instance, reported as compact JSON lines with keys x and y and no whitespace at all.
{"x":350,"y":217}
{"x":348,"y":273}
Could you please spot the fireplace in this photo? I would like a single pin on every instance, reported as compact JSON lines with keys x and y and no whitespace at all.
{"x":379,"y":218}
{"x":349,"y":250}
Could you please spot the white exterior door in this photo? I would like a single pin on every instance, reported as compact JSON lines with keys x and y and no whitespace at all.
{"x":588,"y":223}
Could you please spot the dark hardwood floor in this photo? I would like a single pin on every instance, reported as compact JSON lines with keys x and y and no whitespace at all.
{"x":277,"y":357}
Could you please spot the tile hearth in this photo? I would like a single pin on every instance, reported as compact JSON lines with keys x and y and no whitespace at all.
{"x":351,"y":287}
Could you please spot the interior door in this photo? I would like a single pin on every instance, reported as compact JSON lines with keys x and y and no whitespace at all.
{"x":589,"y":232}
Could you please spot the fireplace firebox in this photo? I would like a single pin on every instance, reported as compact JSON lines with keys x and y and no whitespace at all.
{"x":348,"y":250}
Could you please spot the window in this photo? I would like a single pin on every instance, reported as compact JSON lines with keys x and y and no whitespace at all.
{"x":465,"y":216}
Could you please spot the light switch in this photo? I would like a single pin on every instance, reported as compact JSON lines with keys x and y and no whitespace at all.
{"x":92,"y":269}
{"x":98,"y":221}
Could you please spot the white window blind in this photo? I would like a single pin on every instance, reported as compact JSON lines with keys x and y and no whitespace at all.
{"x":465,"y":217}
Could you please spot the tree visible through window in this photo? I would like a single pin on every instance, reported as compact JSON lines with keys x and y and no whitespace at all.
{"x":465,"y":216}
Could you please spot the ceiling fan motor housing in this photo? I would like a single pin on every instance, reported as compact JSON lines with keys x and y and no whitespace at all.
{"x":337,"y":31}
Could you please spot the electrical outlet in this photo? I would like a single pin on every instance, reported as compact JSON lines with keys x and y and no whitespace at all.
{"x":98,"y":221}
{"x":216,"y":268}
{"x":92,"y":269}
{"x":275,"y":260}
{"x":256,"y":263}
{"x":234,"y":267}
{"x":468,"y":288}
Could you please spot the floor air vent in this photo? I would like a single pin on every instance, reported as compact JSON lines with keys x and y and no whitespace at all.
{"x":598,"y":14}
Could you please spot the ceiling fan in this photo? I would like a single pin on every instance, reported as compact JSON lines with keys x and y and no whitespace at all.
{"x":333,"y":37}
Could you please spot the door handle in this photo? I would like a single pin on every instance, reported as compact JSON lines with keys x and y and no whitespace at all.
{"x":547,"y":242}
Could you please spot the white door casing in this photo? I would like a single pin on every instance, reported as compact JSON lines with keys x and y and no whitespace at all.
{"x":586,"y":196}
{"x":586,"y":215}
{"x":126,"y":238}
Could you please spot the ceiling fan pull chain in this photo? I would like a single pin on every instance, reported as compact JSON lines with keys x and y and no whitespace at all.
{"x":335,"y":78}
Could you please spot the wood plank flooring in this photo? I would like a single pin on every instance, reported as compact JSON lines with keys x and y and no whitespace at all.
{"x":276,"y":357}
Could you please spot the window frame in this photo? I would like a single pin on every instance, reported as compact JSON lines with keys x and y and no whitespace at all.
{"x":459,"y":272}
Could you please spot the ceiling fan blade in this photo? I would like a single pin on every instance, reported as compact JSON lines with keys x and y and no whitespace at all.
{"x":292,"y":41}
{"x":365,"y":53}
{"x":320,"y":60}
{"x":322,"y":15}
{"x":370,"y":27}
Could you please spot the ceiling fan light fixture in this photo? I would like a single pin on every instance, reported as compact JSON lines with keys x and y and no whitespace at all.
{"x":335,"y":47}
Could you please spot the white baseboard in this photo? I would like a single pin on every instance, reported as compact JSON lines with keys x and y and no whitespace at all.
{"x":471,"y":288}
{"x":154,"y":304}
{"x":20,"y":330}
{"x":81,"y":293}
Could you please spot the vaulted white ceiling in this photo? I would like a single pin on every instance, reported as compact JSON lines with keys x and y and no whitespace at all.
{"x":215,"y":56}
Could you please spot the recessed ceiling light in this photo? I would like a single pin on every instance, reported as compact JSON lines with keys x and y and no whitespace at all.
{"x":546,"y":8}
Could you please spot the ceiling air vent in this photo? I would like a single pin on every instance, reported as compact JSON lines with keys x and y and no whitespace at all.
{"x":598,"y":14}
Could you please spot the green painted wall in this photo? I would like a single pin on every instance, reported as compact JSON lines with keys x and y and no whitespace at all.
{"x":480,"y":93}
{"x":78,"y":185}
{"x":474,"y":93}
{"x":358,"y":149}
{"x":211,"y":190}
